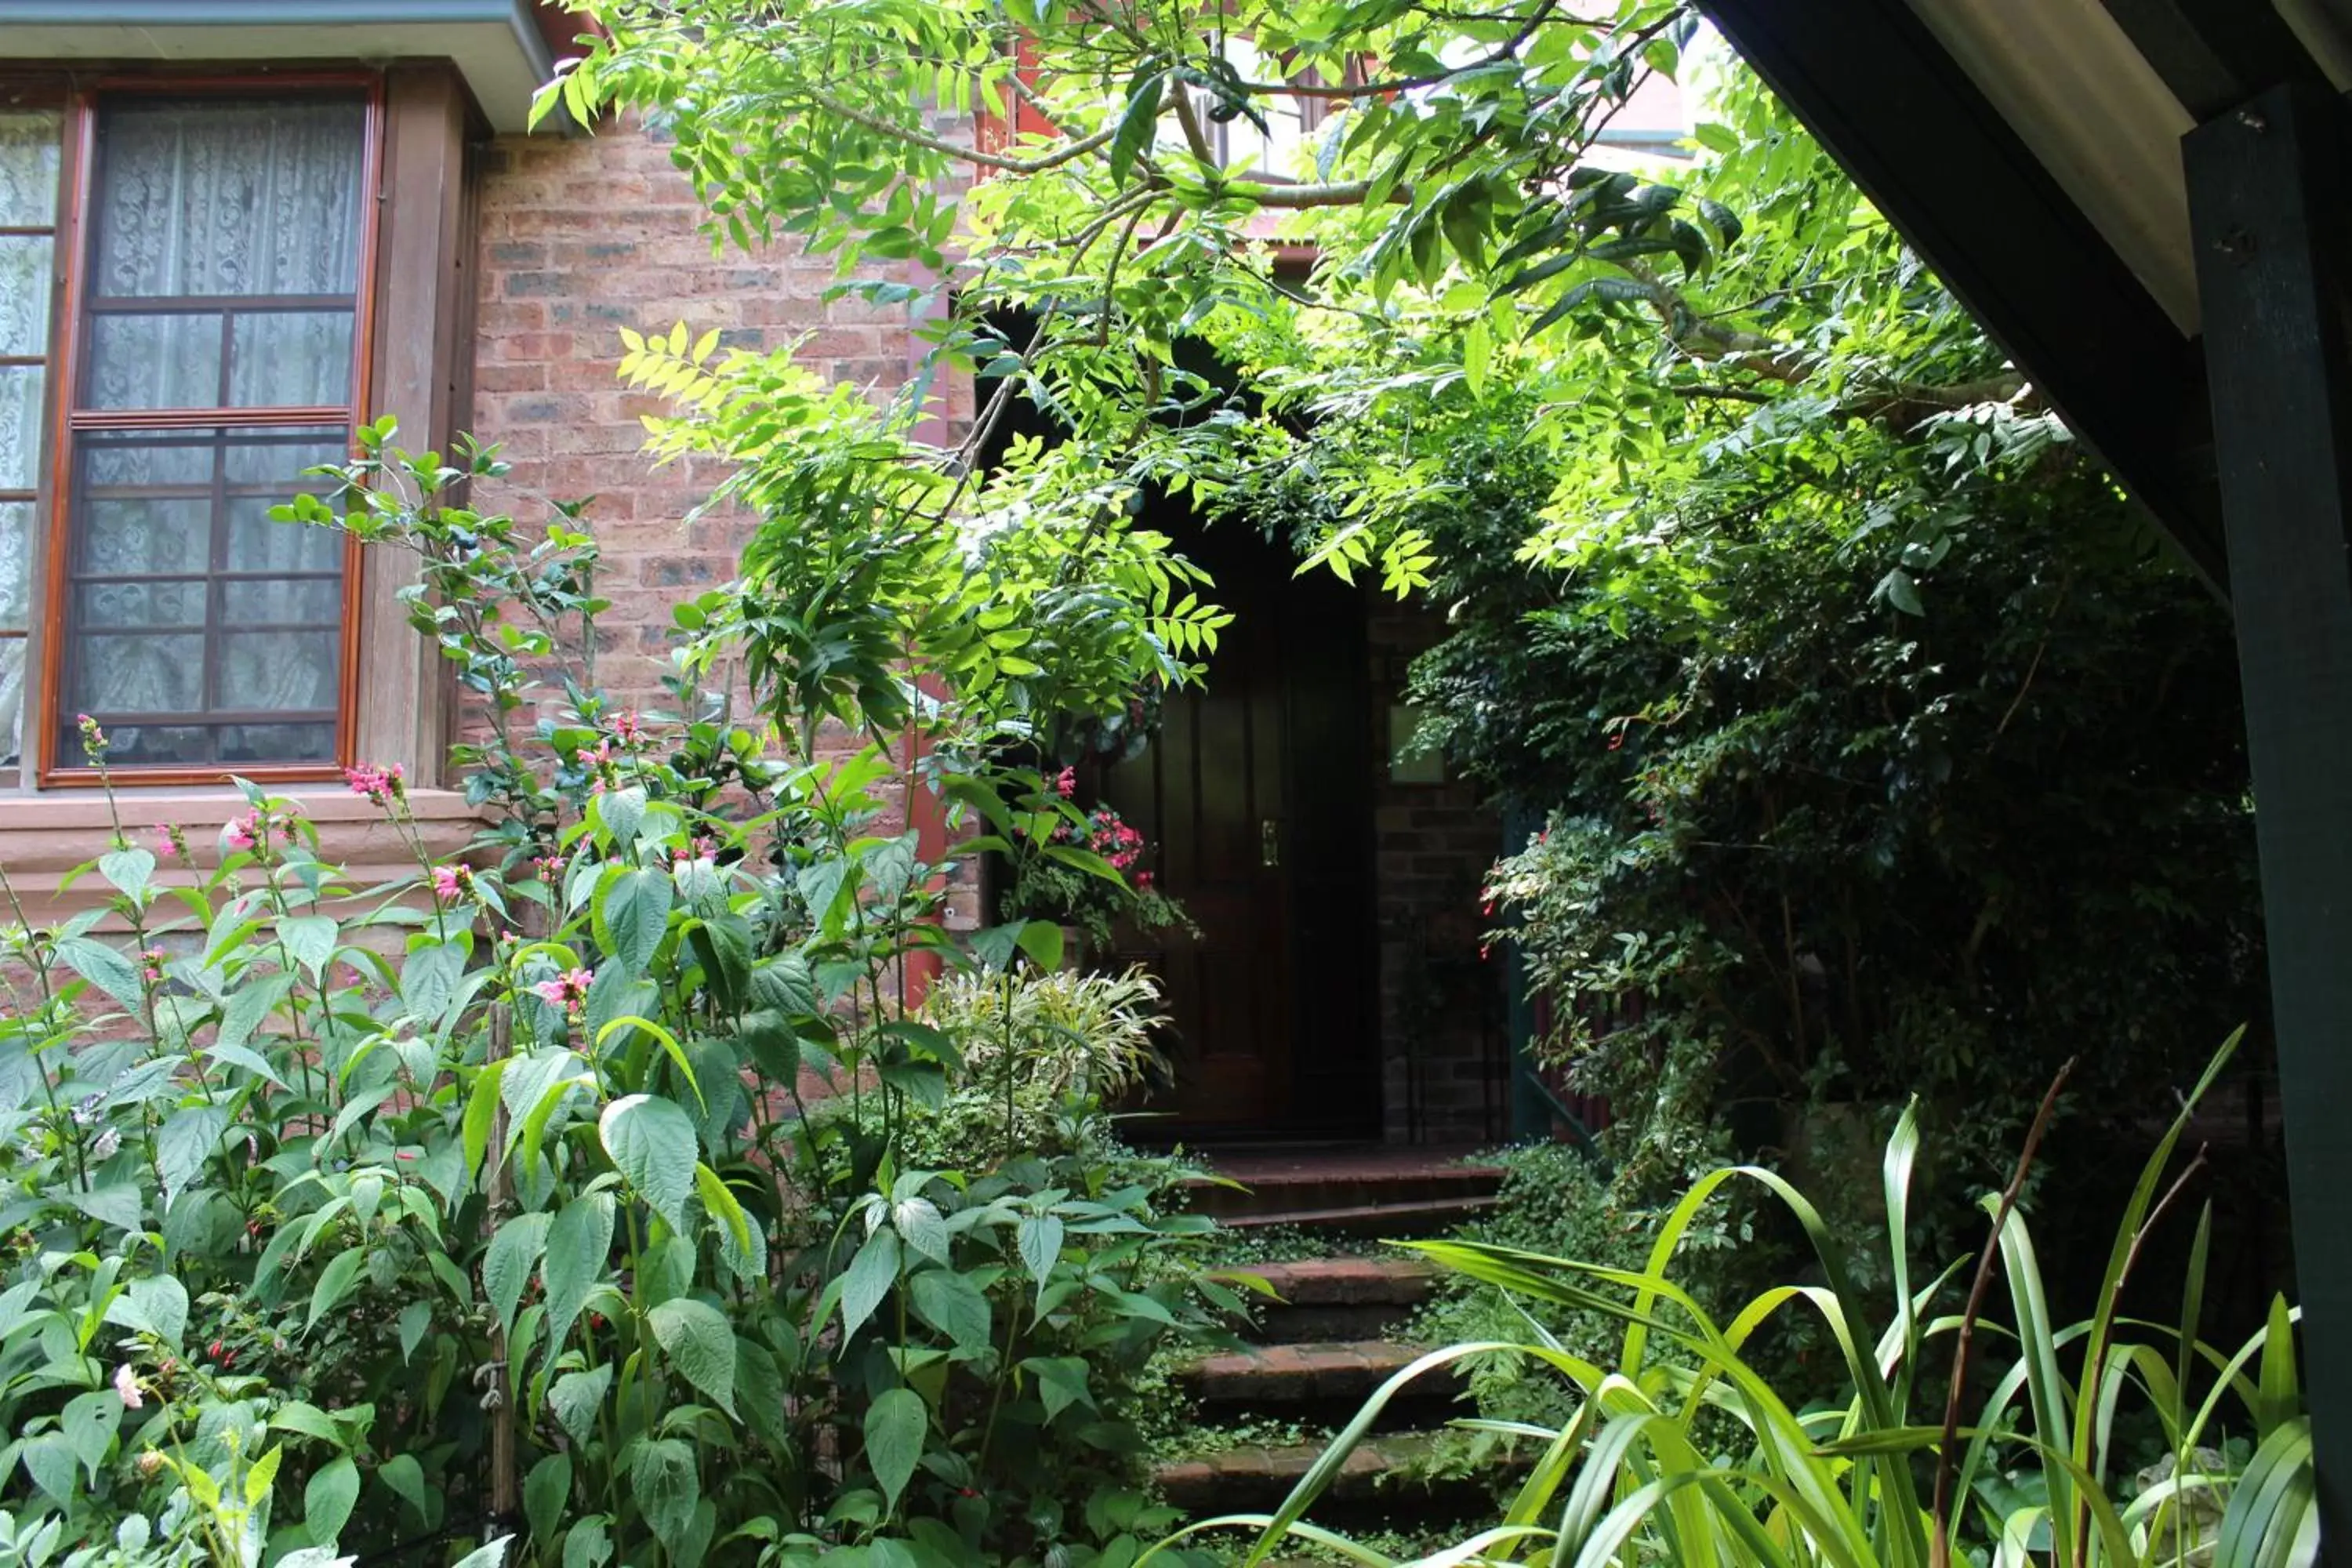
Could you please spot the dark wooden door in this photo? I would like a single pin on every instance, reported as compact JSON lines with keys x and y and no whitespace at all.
{"x":1256,"y":793}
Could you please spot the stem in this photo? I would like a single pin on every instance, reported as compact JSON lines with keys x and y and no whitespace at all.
{"x":1939,"y":1551}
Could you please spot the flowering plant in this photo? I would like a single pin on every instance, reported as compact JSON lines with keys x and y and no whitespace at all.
{"x":1045,"y":888}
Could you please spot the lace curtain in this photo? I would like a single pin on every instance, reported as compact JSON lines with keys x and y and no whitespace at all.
{"x":224,"y":266}
{"x":29,"y":150}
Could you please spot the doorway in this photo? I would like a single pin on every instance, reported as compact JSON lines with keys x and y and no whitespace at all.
{"x":1256,"y":796}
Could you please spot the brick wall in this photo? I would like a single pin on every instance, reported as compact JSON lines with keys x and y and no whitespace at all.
{"x":1443,"y":1049}
{"x":579,"y":238}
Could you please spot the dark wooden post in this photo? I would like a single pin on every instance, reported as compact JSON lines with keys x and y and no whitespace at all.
{"x":2269,"y":201}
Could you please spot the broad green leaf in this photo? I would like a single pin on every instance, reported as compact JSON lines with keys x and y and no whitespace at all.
{"x":335,"y":1283}
{"x":186,"y":1141}
{"x":576,"y":1397}
{"x":104,"y":967}
{"x":405,"y":1476}
{"x":667,"y":1483}
{"x":414,"y":1319}
{"x":953,"y":1305}
{"x":867,"y":1279}
{"x":131,"y":870}
{"x":632,"y":912}
{"x":579,"y":1247}
{"x":652,"y":1143}
{"x":162,"y":1303}
{"x":327,"y":1500}
{"x":695,"y":1336}
{"x":545,"y":1491}
{"x":89,"y":1422}
{"x":1040,"y":1242}
{"x":309,"y":941}
{"x":895,"y":1427}
{"x":506,"y":1267}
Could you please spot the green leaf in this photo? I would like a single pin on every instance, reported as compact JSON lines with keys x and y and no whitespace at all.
{"x":586,"y":1544}
{"x":184,"y":1142}
{"x":664,"y":1479}
{"x":869,"y":1279}
{"x":163,"y":1302}
{"x":415,"y":1318}
{"x":1136,"y":122}
{"x":953,"y":1305}
{"x":335,"y":1283}
{"x":405,"y":1476}
{"x":632,"y":912}
{"x":89,"y":1422}
{"x":506,"y":1268}
{"x":327,"y":1500}
{"x":49,"y":1460}
{"x":544,"y":1493}
{"x":104,"y":967}
{"x":1040,"y":1241}
{"x":651,"y":1142}
{"x":309,"y":941}
{"x":695,"y":1336}
{"x":619,"y":814}
{"x":131,"y":871}
{"x":1061,"y":1382}
{"x":579,"y":1248}
{"x":121,"y":1206}
{"x":577,"y":1398}
{"x":895,"y":1426}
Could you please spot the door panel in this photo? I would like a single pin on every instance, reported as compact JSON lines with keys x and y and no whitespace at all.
{"x":1256,"y":796}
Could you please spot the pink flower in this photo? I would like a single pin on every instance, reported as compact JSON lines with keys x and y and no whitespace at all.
{"x":567,"y":990}
{"x":631,"y":729}
{"x":239,"y":833}
{"x":1065,"y":783}
{"x":167,"y":841}
{"x":451,"y":881}
{"x":126,"y":1384}
{"x":1143,"y":881}
{"x":376,"y":784}
{"x":549,"y":866}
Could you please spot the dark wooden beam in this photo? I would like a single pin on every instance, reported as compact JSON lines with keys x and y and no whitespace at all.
{"x":1869,"y":79}
{"x":2270,"y":199}
{"x":2215,"y":54}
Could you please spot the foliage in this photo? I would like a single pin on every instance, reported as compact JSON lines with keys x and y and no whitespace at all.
{"x":1067,"y":1033}
{"x":1880,"y":751}
{"x":327,"y":1198}
{"x":1098,"y":908}
{"x":2040,"y":1467}
{"x":1445,"y":189}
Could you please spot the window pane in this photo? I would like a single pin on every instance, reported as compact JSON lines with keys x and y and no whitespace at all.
{"x":199,"y":632}
{"x":226,"y":261}
{"x":291,"y":359}
{"x":154,"y":361}
{"x":15,"y":563}
{"x":20,"y":426}
{"x":12,"y":700}
{"x":25,"y":293}
{"x":204,"y":197}
{"x":28,"y":167}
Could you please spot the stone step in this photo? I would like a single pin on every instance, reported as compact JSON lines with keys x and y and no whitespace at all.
{"x":1384,"y":1221}
{"x":1332,"y":1298}
{"x":1255,"y":1478}
{"x":1332,"y":1379}
{"x":1274,"y":1192}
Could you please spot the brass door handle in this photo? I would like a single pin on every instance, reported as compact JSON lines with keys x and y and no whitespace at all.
{"x":1269,"y":843}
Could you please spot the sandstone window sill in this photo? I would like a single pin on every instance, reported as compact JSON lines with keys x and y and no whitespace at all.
{"x":43,"y":836}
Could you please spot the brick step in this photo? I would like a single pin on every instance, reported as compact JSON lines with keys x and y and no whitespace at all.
{"x":1322,"y":1381}
{"x":1386,"y":1221}
{"x":1327,"y":1299}
{"x":1378,"y":1475}
{"x":1268,"y":1193}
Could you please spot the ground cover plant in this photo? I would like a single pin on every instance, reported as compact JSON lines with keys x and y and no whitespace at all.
{"x":489,"y":1204}
{"x":1965,"y":1429}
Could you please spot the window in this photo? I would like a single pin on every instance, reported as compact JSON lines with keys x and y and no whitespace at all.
{"x":29,"y":152}
{"x":212,"y":347}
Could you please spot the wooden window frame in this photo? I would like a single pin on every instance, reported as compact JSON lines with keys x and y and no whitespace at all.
{"x":69,"y":420}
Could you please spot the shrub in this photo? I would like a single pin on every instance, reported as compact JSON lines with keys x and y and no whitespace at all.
{"x":488,"y":1202}
{"x":1958,"y":1435}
